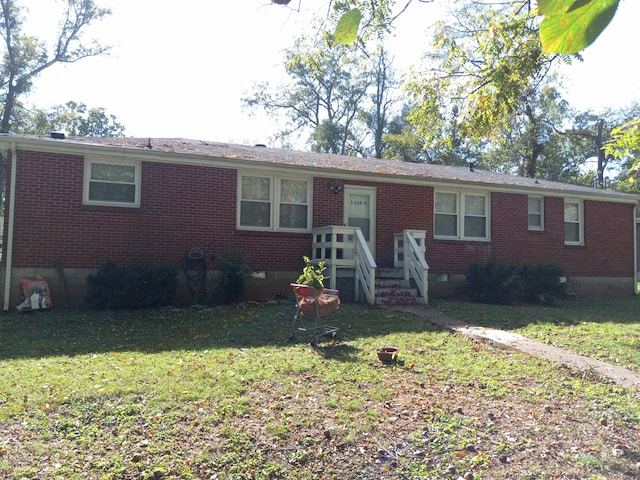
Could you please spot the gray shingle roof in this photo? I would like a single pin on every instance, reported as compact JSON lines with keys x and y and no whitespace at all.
{"x":338,"y":165}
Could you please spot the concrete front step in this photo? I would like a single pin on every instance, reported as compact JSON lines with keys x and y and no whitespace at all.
{"x":404,"y":300}
{"x":396,"y":292}
{"x":393,"y":290}
{"x":389,"y":273}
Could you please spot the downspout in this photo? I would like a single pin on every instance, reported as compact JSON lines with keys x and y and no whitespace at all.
{"x":9,"y":245}
{"x":635,"y":251}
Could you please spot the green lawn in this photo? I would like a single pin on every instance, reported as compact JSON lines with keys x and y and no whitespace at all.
{"x":222,"y":394}
{"x":607,"y":329}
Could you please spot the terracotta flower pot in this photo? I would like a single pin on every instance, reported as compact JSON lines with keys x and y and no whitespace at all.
{"x":387,"y":354}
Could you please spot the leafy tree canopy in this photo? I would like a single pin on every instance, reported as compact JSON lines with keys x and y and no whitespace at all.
{"x":568,"y":26}
{"x":338,"y":96}
{"x":25,"y":56}
{"x":488,"y":97}
{"x":72,"y":118}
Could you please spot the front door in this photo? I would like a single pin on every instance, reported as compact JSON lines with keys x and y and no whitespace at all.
{"x":360,"y":211}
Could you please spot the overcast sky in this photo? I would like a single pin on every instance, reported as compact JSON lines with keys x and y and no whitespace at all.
{"x":180,"y":69}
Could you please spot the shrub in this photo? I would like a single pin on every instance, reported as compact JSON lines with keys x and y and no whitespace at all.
{"x":493,"y":283}
{"x":231,"y":281}
{"x":131,"y":287}
{"x":542,"y":283}
{"x":508,"y":284}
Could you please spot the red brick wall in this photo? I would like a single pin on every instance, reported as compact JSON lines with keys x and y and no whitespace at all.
{"x":607,"y":250}
{"x":399,"y":207}
{"x":181,"y":207}
{"x":185,"y":206}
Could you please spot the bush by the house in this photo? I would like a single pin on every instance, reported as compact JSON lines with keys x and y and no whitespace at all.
{"x":493,"y":283}
{"x":231,"y":281}
{"x":131,"y":287}
{"x":509,"y":284}
{"x":542,"y":283}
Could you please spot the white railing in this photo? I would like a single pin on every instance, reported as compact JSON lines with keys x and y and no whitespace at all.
{"x":409,"y":253}
{"x":398,"y":245}
{"x":345,"y":247}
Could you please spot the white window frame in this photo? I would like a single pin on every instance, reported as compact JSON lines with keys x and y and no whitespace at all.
{"x":274,"y":201}
{"x":540,"y":213}
{"x":88,"y":162}
{"x":579,"y":221}
{"x":461,"y":215}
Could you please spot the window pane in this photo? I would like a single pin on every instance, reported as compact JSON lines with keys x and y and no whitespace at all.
{"x":113,"y":173}
{"x":572,"y":232}
{"x":535,"y":220}
{"x":364,"y":224}
{"x":255,"y":214}
{"x":474,"y":205}
{"x":475,"y":227}
{"x":256,"y":188}
{"x":293,"y":216}
{"x":535,"y":205}
{"x":446,"y":225}
{"x":535,"y":213}
{"x":112,"y":192}
{"x":446,"y":203}
{"x":570,"y":212}
{"x":359,"y":206}
{"x":293,"y":191}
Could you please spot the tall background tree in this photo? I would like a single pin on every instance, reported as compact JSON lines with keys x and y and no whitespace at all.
{"x":340,"y":97}
{"x":25,"y":56}
{"x":73,"y":118}
{"x":488,"y":93}
{"x":488,"y":66}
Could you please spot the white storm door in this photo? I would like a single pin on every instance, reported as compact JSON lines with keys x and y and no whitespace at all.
{"x":360,"y":211}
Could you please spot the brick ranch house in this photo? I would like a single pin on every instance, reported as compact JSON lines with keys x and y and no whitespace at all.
{"x":73,"y":204}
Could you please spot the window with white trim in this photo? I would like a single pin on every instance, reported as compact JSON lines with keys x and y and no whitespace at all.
{"x":461,"y":215}
{"x":111,"y":183}
{"x":271,"y":202}
{"x":573,"y":222}
{"x":536,"y":213}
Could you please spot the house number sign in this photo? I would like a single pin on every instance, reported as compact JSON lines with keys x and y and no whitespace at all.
{"x":359,"y":206}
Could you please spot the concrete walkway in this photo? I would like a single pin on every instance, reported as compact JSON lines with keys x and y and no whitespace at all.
{"x":513,"y":341}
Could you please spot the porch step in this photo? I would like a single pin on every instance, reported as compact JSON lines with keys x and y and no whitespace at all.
{"x":390,"y":273}
{"x":392,"y":289}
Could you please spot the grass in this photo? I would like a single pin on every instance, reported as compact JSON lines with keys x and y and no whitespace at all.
{"x":603,"y":328}
{"x":188,"y":394}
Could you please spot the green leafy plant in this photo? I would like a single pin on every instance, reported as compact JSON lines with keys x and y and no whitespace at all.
{"x":231,"y":282}
{"x":312,"y":275}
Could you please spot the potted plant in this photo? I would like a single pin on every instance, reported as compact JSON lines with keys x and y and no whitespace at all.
{"x":315,"y":299}
{"x":312,"y":275}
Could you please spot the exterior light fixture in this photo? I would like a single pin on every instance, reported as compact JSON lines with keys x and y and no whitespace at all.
{"x":335,"y":188}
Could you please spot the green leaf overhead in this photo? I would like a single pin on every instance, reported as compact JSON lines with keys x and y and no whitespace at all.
{"x":570,"y":26}
{"x":347,"y":28}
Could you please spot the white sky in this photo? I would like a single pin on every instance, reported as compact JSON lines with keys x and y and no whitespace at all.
{"x":180,"y":69}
